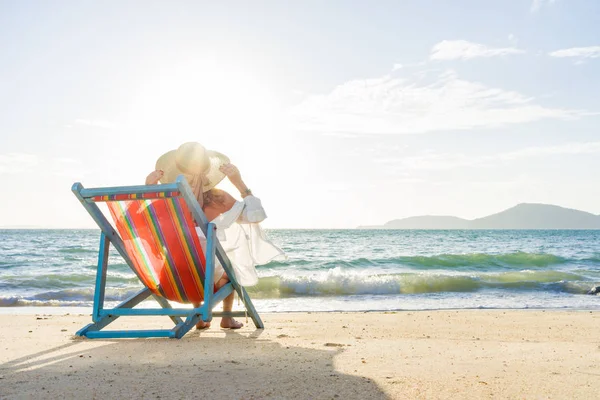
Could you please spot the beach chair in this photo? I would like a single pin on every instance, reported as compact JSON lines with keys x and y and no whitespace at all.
{"x":155,"y":233}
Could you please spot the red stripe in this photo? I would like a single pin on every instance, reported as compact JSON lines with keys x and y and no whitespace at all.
{"x":189,"y":229}
{"x":159,"y":264}
{"x":132,"y":251}
{"x":184,"y":264}
{"x":157,"y":221}
{"x":171,"y":242}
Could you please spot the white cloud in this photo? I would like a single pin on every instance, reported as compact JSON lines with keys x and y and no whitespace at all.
{"x":536,"y":5}
{"x":578,"y":52}
{"x":431,"y":160}
{"x":391,"y":105}
{"x":341,"y":135}
{"x":462,"y":49}
{"x":67,"y":160}
{"x":563,"y":149}
{"x":13,"y":163}
{"x":68,"y":167}
{"x":96,"y":123}
{"x":397,"y":66}
{"x":22,"y":163}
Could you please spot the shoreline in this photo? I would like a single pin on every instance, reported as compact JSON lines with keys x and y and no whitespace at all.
{"x":69,"y":310}
{"x":470,"y":354}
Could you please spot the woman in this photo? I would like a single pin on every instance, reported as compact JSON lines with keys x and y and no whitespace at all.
{"x":237,"y":223}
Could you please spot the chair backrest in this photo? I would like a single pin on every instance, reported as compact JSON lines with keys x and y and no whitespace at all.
{"x":159,"y":236}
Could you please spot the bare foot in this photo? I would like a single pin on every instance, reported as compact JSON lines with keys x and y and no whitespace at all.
{"x":230,"y":323}
{"x":202,"y":325}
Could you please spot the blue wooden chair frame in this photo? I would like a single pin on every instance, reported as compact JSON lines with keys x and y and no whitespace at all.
{"x":101,"y":316}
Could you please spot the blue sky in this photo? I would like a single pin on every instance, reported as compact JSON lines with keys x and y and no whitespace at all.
{"x":338,"y":113}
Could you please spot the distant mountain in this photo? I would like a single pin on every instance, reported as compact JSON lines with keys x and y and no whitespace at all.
{"x":522,"y":216}
{"x":21,"y":227}
{"x":428,"y":222}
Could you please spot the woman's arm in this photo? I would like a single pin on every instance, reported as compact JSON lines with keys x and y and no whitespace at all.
{"x":197,"y":184}
{"x":233,"y":173}
{"x":211,"y":213}
{"x":154,"y":177}
{"x":253,"y":211}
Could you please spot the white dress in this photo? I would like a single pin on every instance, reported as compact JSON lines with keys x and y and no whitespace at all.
{"x":244,"y":241}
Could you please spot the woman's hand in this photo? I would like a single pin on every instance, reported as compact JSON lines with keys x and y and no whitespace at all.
{"x":154,"y":177}
{"x":233,"y":173}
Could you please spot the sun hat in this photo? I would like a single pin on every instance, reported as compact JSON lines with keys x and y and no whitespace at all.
{"x":190,"y":160}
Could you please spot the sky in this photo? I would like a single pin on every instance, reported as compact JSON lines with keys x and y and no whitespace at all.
{"x":337,"y":113}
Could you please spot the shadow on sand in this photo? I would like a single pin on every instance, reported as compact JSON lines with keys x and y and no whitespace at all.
{"x":202,"y":364}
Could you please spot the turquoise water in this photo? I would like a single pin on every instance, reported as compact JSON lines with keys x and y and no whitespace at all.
{"x":332,"y":270}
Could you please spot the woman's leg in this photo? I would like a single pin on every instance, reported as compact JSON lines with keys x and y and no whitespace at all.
{"x":201,"y":324}
{"x":228,"y":322}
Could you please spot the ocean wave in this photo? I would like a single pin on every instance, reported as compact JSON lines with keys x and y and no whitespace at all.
{"x":516,"y":259}
{"x":17,"y":301}
{"x":595,"y":258}
{"x":67,"y":297}
{"x":84,"y":294}
{"x":343,"y":282}
{"x":62,"y":281}
{"x":13,"y":264}
{"x":338,"y":282}
{"x":286,"y":264}
{"x":78,"y":250}
{"x":441,"y":261}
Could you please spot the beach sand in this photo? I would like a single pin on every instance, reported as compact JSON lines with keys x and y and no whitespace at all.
{"x":399,"y":355}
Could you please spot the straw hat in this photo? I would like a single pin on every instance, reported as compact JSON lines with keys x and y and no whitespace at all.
{"x":190,"y":160}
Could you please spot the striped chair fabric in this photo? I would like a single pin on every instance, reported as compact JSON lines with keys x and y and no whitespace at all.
{"x":160,"y":238}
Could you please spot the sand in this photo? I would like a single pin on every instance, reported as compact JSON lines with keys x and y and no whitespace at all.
{"x":401,"y":355}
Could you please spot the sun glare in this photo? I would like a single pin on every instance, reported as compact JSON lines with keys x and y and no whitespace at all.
{"x":207,"y":97}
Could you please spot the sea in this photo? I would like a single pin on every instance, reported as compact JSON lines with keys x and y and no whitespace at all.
{"x":336,"y":270}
